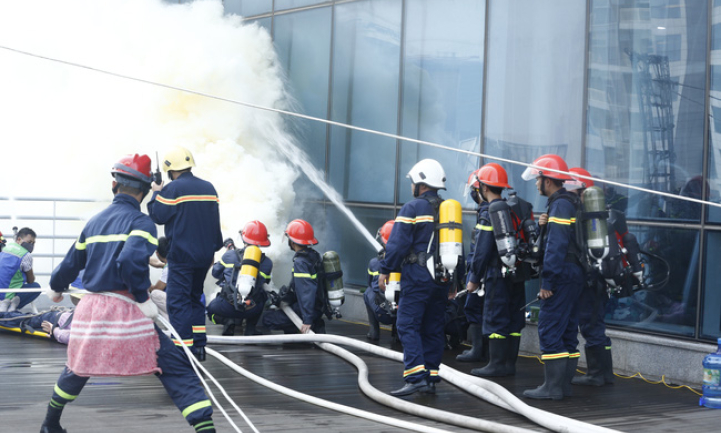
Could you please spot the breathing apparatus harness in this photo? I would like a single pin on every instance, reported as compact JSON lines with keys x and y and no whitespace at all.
{"x":230,"y":289}
{"x":575,"y":252}
{"x":517,"y":238}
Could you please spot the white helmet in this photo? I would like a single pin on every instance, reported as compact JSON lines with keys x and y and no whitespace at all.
{"x":429,"y":172}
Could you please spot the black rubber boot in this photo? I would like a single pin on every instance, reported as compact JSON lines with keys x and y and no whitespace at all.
{"x":497,"y":351}
{"x":51,"y":424}
{"x":199,"y":352}
{"x":374,"y":333}
{"x":475,"y":353}
{"x":412,"y":388}
{"x":594,"y":375}
{"x":228,"y":326}
{"x":514,"y":345}
{"x":394,"y":334}
{"x":552,"y":388}
{"x":250,"y":326}
{"x":607,"y":368}
{"x":570,"y":372}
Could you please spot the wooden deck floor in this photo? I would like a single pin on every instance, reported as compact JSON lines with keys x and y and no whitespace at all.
{"x":29,"y":367}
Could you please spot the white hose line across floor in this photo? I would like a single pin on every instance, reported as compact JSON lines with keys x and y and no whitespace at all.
{"x":325,"y":403}
{"x":478,"y":387}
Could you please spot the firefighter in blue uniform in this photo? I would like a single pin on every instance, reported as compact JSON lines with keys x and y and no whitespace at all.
{"x":594,"y":298}
{"x":222,"y":309}
{"x":188,"y":207}
{"x":504,"y":300}
{"x":378,"y":308}
{"x":305,"y":295}
{"x":16,"y":271}
{"x":473,"y":306}
{"x":114,"y":249}
{"x":562,"y":280}
{"x":422,"y":303}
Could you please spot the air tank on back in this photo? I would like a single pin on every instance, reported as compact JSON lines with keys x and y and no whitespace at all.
{"x":450,"y":234}
{"x":594,"y":224}
{"x":504,"y":232}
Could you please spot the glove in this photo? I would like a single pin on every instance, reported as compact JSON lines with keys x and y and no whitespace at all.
{"x":54,"y":296}
{"x":149,"y":309}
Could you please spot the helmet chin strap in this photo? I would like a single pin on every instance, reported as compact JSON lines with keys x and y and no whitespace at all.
{"x":416,"y":190}
{"x":543,"y":186}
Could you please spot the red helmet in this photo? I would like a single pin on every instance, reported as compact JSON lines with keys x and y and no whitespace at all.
{"x":493,"y":174}
{"x":255,"y":233}
{"x":134,"y":171}
{"x":578,"y":182}
{"x":553,"y":162}
{"x":300,"y":232}
{"x":385,"y":232}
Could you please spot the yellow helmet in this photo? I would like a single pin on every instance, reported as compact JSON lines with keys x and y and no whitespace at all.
{"x":178,"y":159}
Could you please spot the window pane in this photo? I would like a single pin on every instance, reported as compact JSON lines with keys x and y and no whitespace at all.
{"x":365,"y":93}
{"x":668,"y":304}
{"x":248,"y":8}
{"x":442,"y":88}
{"x":302,"y":41}
{"x":646,"y":104}
{"x":711,"y":305}
{"x":714,"y":155}
{"x":289,"y":4}
{"x":534,"y":95}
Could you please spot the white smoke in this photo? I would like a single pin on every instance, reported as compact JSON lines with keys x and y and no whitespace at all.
{"x":63,"y":126}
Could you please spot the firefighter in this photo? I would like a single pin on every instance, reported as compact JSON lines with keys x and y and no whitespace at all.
{"x":305,"y":294}
{"x":188,"y":207}
{"x":422,"y":302}
{"x":474,"y":304}
{"x":503,"y":299}
{"x":16,"y":271}
{"x":114,"y":248}
{"x":562,"y":279}
{"x":379,"y":309}
{"x":223,"y":309}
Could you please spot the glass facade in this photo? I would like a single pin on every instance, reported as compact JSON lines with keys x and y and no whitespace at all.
{"x":628,"y":89}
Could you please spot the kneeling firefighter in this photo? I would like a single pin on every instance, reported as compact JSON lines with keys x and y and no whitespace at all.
{"x":378,"y":308}
{"x":306,"y":293}
{"x":413,"y":247}
{"x":493,"y":258}
{"x":244,"y":272}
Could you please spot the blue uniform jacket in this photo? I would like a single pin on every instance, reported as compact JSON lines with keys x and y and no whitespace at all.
{"x":113,"y":248}
{"x":188,"y":206}
{"x":224,"y":269}
{"x":560,"y":233}
{"x":485,"y":260}
{"x":305,"y":285}
{"x":374,"y":267}
{"x":411,"y":233}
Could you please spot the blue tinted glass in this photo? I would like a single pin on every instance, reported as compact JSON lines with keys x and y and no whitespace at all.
{"x":534,"y":94}
{"x":645,"y":120}
{"x":442,"y":89}
{"x":248,"y":8}
{"x":669,"y":300}
{"x":302,"y":41}
{"x":714,"y":155}
{"x":366,"y":53}
{"x":711,"y":305}
{"x":289,"y":4}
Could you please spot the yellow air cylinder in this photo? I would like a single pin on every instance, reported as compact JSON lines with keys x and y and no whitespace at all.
{"x":450,"y":236}
{"x":248,"y":272}
{"x":393,"y":289}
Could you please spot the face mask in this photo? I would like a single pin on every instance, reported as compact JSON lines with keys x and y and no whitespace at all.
{"x":28,"y":246}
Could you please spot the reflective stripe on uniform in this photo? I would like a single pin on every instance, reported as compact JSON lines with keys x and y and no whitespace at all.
{"x":547,"y":356}
{"x":64,"y":394}
{"x":373,"y":273}
{"x":574,"y":355}
{"x":197,"y":406}
{"x":485,"y":228}
{"x":199,"y":329}
{"x":226,"y":265}
{"x":299,"y":275}
{"x":115,"y":238}
{"x":266,"y":276}
{"x":414,"y":370}
{"x":187,"y":198}
{"x":495,"y":336}
{"x":188,"y":342}
{"x":418,"y":219}
{"x":562,"y":221}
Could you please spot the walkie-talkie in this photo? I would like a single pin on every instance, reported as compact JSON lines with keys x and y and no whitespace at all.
{"x":157,"y":176}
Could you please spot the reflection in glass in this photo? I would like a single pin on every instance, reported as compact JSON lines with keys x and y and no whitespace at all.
{"x":534,"y":89}
{"x":442,"y":88}
{"x":290,"y":4}
{"x":247,"y":8}
{"x":668,"y":302}
{"x":301,"y":40}
{"x":711,"y":305}
{"x":646,"y":82}
{"x":714,"y":155}
{"x":366,"y":53}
